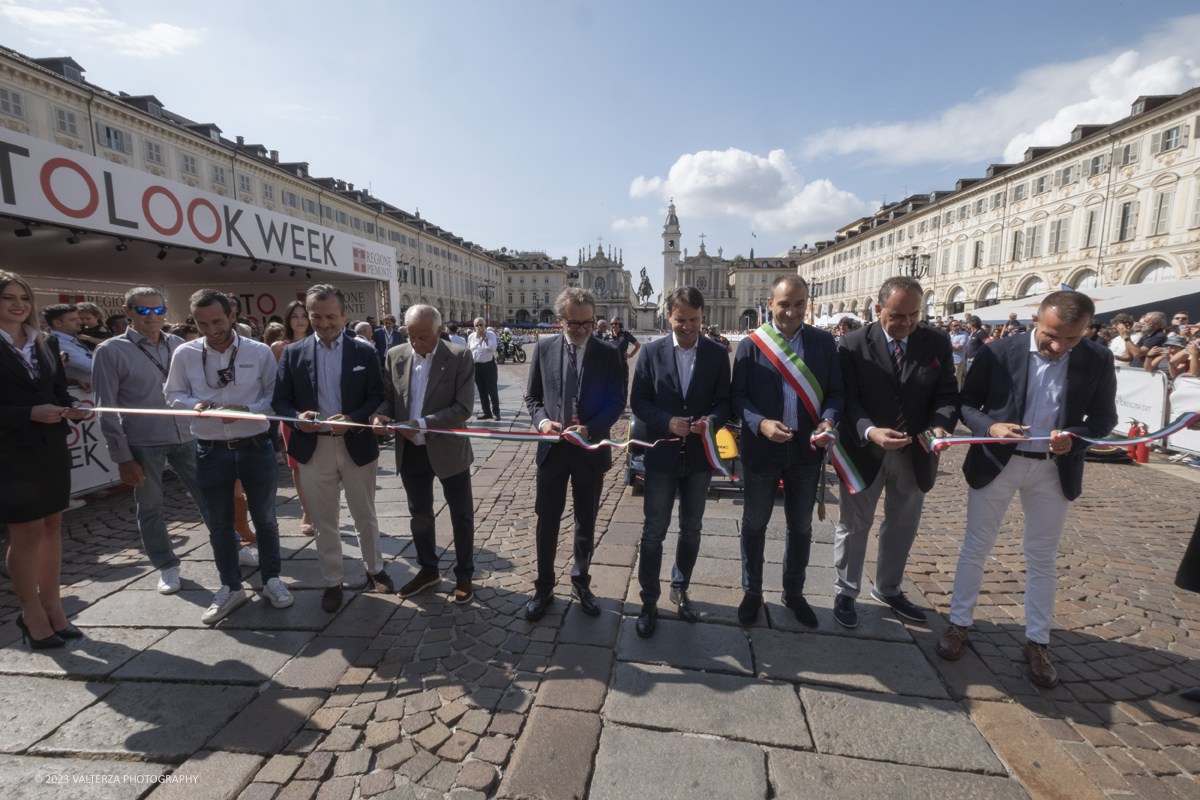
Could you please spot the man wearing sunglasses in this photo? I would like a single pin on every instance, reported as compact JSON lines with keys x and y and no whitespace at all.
{"x":224,"y":371}
{"x":129,"y":371}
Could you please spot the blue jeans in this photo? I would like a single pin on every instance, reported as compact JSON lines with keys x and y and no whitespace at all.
{"x":800,"y":477}
{"x":152,"y":524}
{"x":217,"y":468}
{"x":658,"y":500}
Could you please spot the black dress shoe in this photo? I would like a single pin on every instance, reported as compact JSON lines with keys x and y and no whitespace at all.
{"x":535,"y":609}
{"x":901,"y":605}
{"x":331,"y":601}
{"x":687,"y":611}
{"x":70,"y":632}
{"x":802,"y":610}
{"x":748,"y":610}
{"x":647,"y":620}
{"x":51,"y":641}
{"x":483,"y":416}
{"x":587,"y":600}
{"x":1191,"y":694}
{"x":843,"y":611}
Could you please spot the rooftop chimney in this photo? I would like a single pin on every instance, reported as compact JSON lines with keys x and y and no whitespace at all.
{"x":275,"y":156}
{"x":241,"y":140}
{"x":350,"y":186}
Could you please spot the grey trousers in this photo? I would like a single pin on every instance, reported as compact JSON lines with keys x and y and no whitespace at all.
{"x":901,"y":517}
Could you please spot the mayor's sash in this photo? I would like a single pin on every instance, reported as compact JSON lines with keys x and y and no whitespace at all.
{"x":808,"y":389}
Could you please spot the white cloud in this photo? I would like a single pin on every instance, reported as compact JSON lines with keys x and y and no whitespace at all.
{"x":630,"y":224}
{"x":766,"y":190}
{"x":93,"y":19}
{"x":642,"y":187}
{"x":1042,"y":108}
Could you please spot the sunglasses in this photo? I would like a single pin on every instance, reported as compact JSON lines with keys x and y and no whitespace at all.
{"x":144,"y":311}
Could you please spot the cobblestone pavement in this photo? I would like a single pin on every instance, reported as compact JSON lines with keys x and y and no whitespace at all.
{"x":422,"y":698}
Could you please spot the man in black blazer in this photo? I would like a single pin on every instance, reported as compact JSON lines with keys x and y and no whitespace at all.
{"x":899,"y":379}
{"x":334,"y":375}
{"x":1030,"y":385}
{"x":680,"y":379}
{"x":574,"y":385}
{"x":387,"y":337}
{"x":776,"y":428}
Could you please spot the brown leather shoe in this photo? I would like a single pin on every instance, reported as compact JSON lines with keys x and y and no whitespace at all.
{"x":464,"y":592}
{"x":331,"y":601}
{"x":1041,"y":671}
{"x":423,"y":581}
{"x":382,"y":582}
{"x":950,"y":646}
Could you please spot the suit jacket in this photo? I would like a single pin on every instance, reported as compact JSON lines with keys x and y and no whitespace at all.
{"x":927,"y":392}
{"x":657,"y":396}
{"x":448,"y":402}
{"x":757,"y":388}
{"x":995,"y":392}
{"x":362,"y":392}
{"x":601,"y":394}
{"x":19,"y":393}
{"x":385,"y":341}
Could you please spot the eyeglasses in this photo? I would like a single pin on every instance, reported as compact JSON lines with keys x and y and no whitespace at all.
{"x":144,"y":311}
{"x":575,"y":326}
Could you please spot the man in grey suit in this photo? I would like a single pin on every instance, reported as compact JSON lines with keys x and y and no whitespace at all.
{"x":430,"y":383}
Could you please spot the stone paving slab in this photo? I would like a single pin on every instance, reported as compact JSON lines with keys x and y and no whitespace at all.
{"x":639,"y":763}
{"x":267,"y":724}
{"x":216,"y":774}
{"x":876,"y":666}
{"x":553,"y":757}
{"x":96,"y":655}
{"x":147,"y":610}
{"x":304,"y":614}
{"x":157,"y":721}
{"x":199,"y":576}
{"x":31,"y":708}
{"x":904,"y":730}
{"x":579,"y":628}
{"x":365,"y":614}
{"x":218,"y":656}
{"x":717,"y":604}
{"x":814,"y":776}
{"x":714,"y":648}
{"x":875,"y":620}
{"x":306,"y":574}
{"x":322,"y":663}
{"x":577,"y":678}
{"x":28,"y":778}
{"x":729,"y":706}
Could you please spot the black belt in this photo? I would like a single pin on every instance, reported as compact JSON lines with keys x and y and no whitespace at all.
{"x":236,"y":444}
{"x":1034,"y":456}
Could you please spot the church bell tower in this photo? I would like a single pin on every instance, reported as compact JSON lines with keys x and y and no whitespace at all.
{"x":671,"y":245}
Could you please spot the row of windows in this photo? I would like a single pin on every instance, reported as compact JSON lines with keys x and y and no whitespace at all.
{"x":534,"y":298}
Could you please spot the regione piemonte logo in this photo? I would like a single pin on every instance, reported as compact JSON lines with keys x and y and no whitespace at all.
{"x":360,"y":260}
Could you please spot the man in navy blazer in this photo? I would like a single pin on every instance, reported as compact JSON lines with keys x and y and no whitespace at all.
{"x":679,"y":380}
{"x":387,"y":337}
{"x":334,"y":376}
{"x":575,"y":384}
{"x":1031,"y":385}
{"x":776,"y":427}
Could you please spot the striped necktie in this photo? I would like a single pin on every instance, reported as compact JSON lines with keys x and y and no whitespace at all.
{"x":898,"y":366}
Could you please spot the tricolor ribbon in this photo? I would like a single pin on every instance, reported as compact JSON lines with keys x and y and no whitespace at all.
{"x":836,"y":453}
{"x":935,"y":444}
{"x":709,"y":437}
{"x":509,"y":436}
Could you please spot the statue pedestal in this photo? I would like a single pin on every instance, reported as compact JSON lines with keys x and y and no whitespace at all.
{"x":645,"y":317}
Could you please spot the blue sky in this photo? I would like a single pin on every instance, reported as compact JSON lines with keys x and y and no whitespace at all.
{"x":546,"y":125}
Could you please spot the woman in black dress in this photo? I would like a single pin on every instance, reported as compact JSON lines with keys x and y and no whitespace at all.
{"x":35,"y":465}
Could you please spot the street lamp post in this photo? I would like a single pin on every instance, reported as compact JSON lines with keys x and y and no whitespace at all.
{"x":486,"y":293}
{"x":914,"y":264}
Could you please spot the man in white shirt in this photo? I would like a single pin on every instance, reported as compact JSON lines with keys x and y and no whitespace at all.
{"x":958,"y":345}
{"x":482,"y":343}
{"x":224,"y":371}
{"x":63,"y":322}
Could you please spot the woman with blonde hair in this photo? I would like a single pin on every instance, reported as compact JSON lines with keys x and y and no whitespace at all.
{"x":295,"y":327}
{"x":35,"y":464}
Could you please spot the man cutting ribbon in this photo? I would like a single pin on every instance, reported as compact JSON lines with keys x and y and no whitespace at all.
{"x":1037,"y":386}
{"x":786,"y":386}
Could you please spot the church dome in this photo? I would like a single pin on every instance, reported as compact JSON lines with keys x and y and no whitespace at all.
{"x":671,"y":218}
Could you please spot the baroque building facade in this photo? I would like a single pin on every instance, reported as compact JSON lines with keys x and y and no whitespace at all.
{"x":49,"y":98}
{"x":605,"y":276}
{"x":1117,"y":204}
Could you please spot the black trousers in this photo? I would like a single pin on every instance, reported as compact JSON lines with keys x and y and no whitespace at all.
{"x":1188,"y":576}
{"x":486,"y":379}
{"x":566,"y":462}
{"x":416,"y":473}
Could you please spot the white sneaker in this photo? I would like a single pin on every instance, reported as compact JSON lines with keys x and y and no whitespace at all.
{"x":277,"y":593}
{"x":248,"y":557}
{"x":225,"y":601}
{"x":168,"y":581}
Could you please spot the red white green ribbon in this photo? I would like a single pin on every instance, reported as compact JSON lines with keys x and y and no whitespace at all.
{"x":837,"y":455}
{"x":935,"y":444}
{"x":793,"y":369}
{"x":508,"y":436}
{"x":709,"y":437}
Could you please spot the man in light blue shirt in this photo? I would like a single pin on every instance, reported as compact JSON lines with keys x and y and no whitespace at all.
{"x":958,"y":344}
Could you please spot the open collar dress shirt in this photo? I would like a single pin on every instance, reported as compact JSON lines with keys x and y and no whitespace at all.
{"x":1045,"y":391}
{"x":28,"y":352}
{"x":483,"y":349}
{"x":126,"y":374}
{"x":329,"y":378}
{"x":791,"y":403}
{"x":80,"y":365}
{"x":254,"y":383}
{"x":418,"y":381}
{"x":685,"y":362}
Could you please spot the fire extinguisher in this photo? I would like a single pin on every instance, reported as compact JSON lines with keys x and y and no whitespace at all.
{"x":1134,"y":427}
{"x":1143,"y":449}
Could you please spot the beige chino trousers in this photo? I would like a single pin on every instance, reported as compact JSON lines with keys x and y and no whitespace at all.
{"x":329,"y":470}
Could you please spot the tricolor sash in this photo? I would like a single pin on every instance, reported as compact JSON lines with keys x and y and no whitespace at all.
{"x":808,"y":389}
